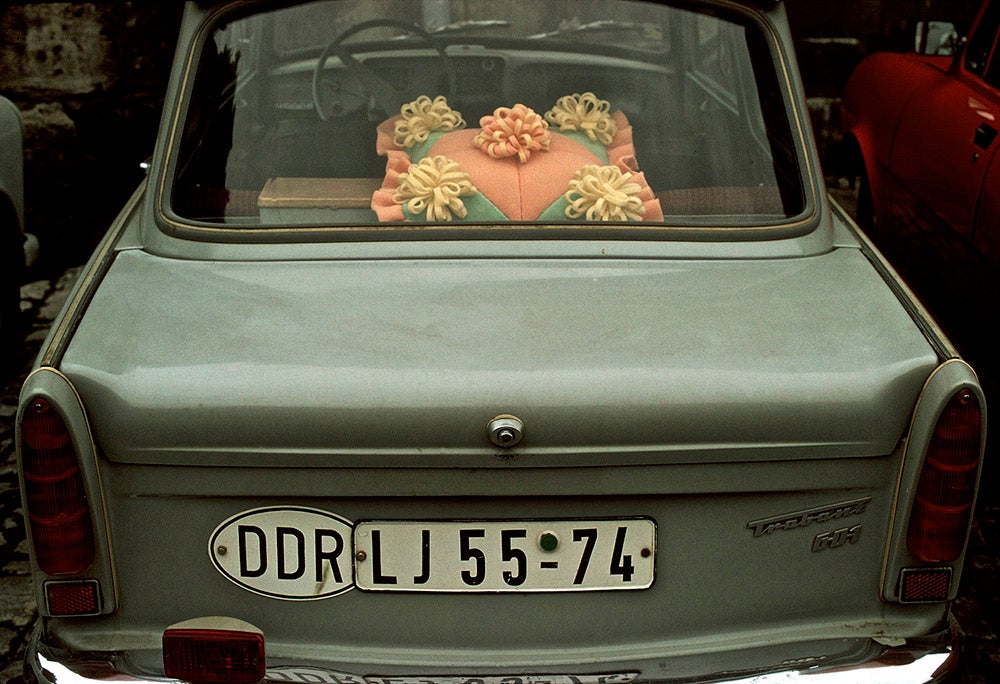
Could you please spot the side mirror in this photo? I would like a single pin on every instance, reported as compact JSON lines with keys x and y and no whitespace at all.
{"x":937,"y":38}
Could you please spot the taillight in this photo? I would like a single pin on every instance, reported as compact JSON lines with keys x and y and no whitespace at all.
{"x":942,"y":509}
{"x":212,"y":655}
{"x":55,"y":496}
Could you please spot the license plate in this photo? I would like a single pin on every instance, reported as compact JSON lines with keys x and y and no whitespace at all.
{"x":505,"y":556}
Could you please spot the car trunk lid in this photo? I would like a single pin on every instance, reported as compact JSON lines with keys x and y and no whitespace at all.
{"x":395,"y":362}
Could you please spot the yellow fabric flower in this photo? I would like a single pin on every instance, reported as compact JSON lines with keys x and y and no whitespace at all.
{"x":585,"y":113}
{"x":604,"y":193}
{"x":435,"y":185}
{"x":424,"y":116}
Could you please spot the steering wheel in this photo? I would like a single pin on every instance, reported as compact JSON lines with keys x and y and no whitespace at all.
{"x":382,"y":97}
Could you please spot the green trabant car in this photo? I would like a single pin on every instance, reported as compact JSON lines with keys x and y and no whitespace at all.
{"x":507,"y":342}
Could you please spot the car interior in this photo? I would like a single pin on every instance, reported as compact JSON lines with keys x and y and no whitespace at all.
{"x":269,"y":108}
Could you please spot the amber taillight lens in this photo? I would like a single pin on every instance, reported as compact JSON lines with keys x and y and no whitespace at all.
{"x":946,"y":491}
{"x":55,"y":496}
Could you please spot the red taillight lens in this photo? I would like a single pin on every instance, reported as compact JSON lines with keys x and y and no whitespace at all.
{"x":213,"y":656}
{"x":58,"y":512}
{"x":947,"y":488}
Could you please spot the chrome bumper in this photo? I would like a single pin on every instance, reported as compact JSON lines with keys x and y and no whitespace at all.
{"x":930,"y":660}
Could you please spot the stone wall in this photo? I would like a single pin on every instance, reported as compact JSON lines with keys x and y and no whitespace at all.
{"x":89,"y":78}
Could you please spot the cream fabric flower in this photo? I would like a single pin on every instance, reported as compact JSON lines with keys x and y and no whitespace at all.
{"x":422,"y":117}
{"x":585,"y":113}
{"x":604,"y":193}
{"x":435,"y":185}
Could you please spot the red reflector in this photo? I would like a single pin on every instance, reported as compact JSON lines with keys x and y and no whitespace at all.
{"x":942,"y":510}
{"x":73,"y":598}
{"x":58,"y":512}
{"x":924,"y":585}
{"x":213,"y":656}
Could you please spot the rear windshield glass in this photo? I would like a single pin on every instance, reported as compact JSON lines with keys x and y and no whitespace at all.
{"x":362,"y":113}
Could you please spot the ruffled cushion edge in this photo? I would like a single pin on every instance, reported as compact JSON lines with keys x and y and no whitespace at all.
{"x":621,"y":153}
{"x":385,"y":207}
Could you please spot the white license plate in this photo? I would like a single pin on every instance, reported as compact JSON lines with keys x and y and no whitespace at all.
{"x":505,"y":556}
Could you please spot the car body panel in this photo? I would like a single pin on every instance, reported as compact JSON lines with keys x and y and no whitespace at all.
{"x":950,"y":167}
{"x":876,"y":135}
{"x":12,"y":157}
{"x":483,"y":337}
{"x":17,"y":250}
{"x":12,"y":175}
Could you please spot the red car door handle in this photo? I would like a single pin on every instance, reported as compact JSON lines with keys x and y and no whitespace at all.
{"x":985,"y":135}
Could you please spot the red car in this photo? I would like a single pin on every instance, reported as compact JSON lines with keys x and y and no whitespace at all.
{"x":924,"y":133}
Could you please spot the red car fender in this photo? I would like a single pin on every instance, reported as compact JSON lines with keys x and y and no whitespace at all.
{"x":877,"y":94}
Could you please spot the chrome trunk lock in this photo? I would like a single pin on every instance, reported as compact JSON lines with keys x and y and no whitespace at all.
{"x":506,"y":431}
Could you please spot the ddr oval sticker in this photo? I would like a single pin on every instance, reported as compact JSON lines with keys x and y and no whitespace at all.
{"x":285,"y":552}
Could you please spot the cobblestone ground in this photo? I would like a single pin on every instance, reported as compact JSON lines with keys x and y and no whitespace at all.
{"x":978,"y":606}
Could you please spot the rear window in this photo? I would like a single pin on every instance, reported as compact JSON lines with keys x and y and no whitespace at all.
{"x":362,"y":113}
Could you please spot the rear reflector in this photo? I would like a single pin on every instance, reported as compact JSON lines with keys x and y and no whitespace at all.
{"x":924,"y":585}
{"x":73,"y":598}
{"x":213,"y":656}
{"x":942,"y":509}
{"x":58,"y":513}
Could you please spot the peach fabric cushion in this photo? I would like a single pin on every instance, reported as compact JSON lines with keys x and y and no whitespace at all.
{"x":521,"y":191}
